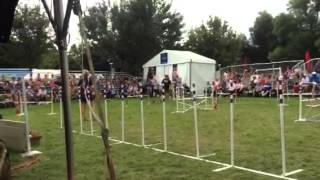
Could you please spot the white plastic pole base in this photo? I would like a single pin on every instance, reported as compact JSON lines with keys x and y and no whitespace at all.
{"x":20,"y":114}
{"x":31,"y":154}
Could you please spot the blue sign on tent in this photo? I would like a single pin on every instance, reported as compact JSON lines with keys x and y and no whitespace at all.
{"x":164,"y":58}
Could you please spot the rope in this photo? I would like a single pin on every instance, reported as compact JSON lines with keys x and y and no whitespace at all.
{"x":104,"y":130}
{"x":96,"y":117}
{"x":26,"y":166}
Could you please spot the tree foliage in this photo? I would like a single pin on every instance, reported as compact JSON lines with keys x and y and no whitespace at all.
{"x":288,"y":35}
{"x":217,"y":40}
{"x":132,"y":32}
{"x":30,"y":40}
{"x":262,"y":36}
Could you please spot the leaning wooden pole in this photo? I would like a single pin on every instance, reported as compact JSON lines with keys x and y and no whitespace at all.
{"x":97,"y":102}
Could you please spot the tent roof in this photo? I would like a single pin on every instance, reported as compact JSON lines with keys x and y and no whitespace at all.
{"x":179,"y":57}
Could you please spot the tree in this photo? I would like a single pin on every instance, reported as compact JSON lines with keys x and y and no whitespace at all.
{"x":297,"y":31}
{"x":132,"y":32}
{"x":288,"y":35}
{"x":306,"y":12}
{"x":30,"y":40}
{"x":76,"y":58}
{"x":262,"y":36}
{"x":217,"y":40}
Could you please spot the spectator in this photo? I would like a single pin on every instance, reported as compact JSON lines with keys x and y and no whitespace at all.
{"x":166,"y":85}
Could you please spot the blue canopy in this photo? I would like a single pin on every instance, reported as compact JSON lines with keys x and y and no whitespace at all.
{"x":15,"y":72}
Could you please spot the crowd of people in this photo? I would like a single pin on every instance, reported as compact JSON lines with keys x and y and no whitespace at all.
{"x":245,"y":83}
{"x":47,"y":89}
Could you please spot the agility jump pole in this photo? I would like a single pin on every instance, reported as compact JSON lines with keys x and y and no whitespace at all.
{"x":122,"y":117}
{"x":21,"y":104}
{"x":142,"y":120}
{"x":284,"y":173}
{"x":80,"y":110}
{"x":61,"y":107}
{"x":164,"y":118}
{"x":90,"y":113}
{"x":106,"y":108}
{"x":51,"y":108}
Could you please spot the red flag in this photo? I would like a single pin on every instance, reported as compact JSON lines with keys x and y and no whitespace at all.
{"x":308,"y":61}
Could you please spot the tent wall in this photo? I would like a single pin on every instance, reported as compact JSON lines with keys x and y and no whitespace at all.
{"x":191,"y":67}
{"x":183,"y":72}
{"x":43,"y":73}
{"x":201,"y":74}
{"x":145,"y":72}
{"x":163,"y":70}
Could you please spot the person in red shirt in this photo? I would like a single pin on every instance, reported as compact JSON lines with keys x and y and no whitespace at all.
{"x":296,"y":87}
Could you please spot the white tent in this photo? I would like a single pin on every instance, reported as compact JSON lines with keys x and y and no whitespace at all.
{"x":191,"y":67}
{"x":43,"y":72}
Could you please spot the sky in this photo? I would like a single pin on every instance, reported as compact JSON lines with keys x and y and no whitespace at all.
{"x":240,"y":14}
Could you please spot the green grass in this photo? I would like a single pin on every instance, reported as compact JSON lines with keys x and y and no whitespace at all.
{"x":257,"y":142}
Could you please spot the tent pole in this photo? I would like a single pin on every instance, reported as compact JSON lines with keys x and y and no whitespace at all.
{"x":190,"y":73}
{"x":62,"y":47}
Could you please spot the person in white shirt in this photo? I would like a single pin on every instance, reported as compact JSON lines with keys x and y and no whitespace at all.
{"x":304,"y":83}
{"x":231,"y":87}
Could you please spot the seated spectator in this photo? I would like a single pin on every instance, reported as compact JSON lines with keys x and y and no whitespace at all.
{"x":296,"y":88}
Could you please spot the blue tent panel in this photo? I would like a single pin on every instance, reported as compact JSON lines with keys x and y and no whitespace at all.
{"x":15,"y":72}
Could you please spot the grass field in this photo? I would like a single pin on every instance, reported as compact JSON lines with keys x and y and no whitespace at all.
{"x":257,"y":142}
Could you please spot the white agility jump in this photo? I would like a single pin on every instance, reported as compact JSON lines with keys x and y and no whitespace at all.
{"x":198,"y":156}
{"x":314,"y":102}
{"x":188,"y":104}
{"x":87,"y":96}
{"x":51,"y":104}
{"x":20,"y":73}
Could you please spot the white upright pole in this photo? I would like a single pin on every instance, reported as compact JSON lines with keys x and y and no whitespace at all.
{"x":122,"y":118}
{"x":61,"y":108}
{"x":206,"y":100}
{"x":300,"y":105}
{"x":106,"y":113}
{"x":183,"y":100}
{"x":164,"y":121}
{"x":283,"y":141}
{"x":212,"y":97}
{"x":142,"y":120}
{"x":80,"y":111}
{"x":195,"y":117}
{"x":106,"y":109}
{"x":26,"y":115}
{"x":61,"y":113}
{"x":21,"y":105}
{"x":232,"y":130}
{"x":313,"y":92}
{"x":90,"y":113}
{"x":91,"y":120}
{"x":52,"y":110}
{"x":177,"y":102}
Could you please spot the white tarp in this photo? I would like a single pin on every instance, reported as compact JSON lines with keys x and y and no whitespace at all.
{"x":201,"y":75}
{"x":44,"y":72}
{"x":202,"y":68}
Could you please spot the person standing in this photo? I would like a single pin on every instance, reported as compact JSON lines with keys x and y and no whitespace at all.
{"x":86,"y":91}
{"x":166,"y":85}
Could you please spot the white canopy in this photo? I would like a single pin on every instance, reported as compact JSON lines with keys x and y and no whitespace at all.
{"x":43,"y":72}
{"x":191,"y":67}
{"x":178,"y":57}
